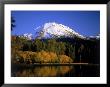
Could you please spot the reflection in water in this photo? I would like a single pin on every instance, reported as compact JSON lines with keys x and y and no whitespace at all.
{"x":56,"y":71}
{"x":44,"y":71}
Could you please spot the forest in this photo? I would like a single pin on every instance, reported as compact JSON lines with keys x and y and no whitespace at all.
{"x":54,"y":50}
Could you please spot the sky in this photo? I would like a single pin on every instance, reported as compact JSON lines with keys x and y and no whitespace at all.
{"x":86,"y":23}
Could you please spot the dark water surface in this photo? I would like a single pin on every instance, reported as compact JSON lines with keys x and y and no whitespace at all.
{"x":56,"y":71}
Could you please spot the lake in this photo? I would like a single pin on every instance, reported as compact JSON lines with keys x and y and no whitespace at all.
{"x":89,"y":70}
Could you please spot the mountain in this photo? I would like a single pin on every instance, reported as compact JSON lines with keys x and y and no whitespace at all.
{"x":94,"y":37}
{"x":97,"y":37}
{"x":55,"y":30}
{"x":27,"y":36}
{"x":52,"y":29}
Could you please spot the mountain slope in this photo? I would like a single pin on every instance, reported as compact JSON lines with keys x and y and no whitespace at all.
{"x":57,"y":30}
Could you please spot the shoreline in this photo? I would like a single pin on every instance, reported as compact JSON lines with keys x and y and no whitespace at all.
{"x":52,"y":64}
{"x":62,"y":64}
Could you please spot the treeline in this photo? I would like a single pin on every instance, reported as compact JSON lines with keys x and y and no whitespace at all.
{"x":40,"y":57}
{"x":56,"y":50}
{"x":41,"y":51}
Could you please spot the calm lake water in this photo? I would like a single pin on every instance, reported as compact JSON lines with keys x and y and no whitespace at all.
{"x":56,"y":71}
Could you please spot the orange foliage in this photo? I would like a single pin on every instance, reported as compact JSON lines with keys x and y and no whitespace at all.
{"x":43,"y":57}
{"x":65,"y":59}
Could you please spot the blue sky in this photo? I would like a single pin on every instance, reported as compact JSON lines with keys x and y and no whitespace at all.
{"x":86,"y":23}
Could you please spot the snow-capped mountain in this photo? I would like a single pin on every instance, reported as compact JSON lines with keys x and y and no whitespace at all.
{"x":94,"y":37}
{"x":27,"y":36}
{"x":53,"y":29}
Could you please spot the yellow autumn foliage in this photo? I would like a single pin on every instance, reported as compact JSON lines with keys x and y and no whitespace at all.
{"x":42,"y":57}
{"x":65,"y":59}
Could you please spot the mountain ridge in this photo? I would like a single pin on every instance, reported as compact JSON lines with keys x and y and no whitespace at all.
{"x":56,"y":30}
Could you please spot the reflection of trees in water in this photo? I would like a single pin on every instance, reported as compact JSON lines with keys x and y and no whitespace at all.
{"x":45,"y":71}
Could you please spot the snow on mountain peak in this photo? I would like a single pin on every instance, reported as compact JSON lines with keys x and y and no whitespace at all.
{"x":55,"y":29}
{"x":97,"y":36}
{"x":27,"y":35}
